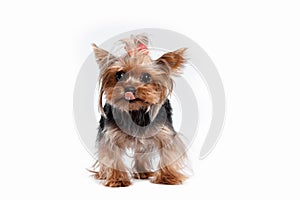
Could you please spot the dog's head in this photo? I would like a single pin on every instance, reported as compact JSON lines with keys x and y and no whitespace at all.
{"x":134,"y":81}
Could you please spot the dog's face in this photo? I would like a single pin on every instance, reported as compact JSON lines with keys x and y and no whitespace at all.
{"x":134,"y":81}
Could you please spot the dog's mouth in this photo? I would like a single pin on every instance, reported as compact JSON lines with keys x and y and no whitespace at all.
{"x":129,"y":96}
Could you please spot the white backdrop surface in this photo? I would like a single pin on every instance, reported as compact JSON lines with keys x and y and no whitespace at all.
{"x":254,"y":44}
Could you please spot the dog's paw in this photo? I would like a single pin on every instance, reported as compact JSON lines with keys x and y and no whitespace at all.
{"x":144,"y":175}
{"x":166,"y":181}
{"x":174,"y":178}
{"x":114,"y":183}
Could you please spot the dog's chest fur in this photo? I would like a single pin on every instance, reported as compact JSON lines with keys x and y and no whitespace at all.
{"x":135,"y":128}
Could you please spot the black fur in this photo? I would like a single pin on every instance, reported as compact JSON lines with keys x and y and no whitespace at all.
{"x":136,"y":122}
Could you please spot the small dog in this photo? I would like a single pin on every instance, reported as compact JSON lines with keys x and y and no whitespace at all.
{"x":137,"y":116}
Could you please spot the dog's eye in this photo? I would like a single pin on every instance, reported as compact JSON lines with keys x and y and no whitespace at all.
{"x":145,"y":78}
{"x":120,"y":76}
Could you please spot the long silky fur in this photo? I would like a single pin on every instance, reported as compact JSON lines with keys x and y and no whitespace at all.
{"x":143,"y":127}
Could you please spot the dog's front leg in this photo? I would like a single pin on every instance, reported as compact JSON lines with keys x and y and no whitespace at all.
{"x":110,"y":156}
{"x":172,"y":161}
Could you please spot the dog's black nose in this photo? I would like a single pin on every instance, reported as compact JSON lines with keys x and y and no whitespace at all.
{"x":130,"y":89}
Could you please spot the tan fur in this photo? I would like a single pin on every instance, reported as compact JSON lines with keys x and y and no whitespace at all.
{"x":162,"y":140}
{"x":173,"y":60}
{"x":150,"y":94}
{"x":170,"y":148}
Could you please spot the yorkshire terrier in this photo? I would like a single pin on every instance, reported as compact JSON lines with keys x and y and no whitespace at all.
{"x":137,"y":116}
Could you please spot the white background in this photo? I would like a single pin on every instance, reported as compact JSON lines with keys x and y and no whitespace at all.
{"x":254,"y":44}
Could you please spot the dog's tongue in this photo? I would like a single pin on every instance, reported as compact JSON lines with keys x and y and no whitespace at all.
{"x":129,"y":96}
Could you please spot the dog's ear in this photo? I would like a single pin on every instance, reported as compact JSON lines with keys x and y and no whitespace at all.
{"x":103,"y":58}
{"x":173,"y":60}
